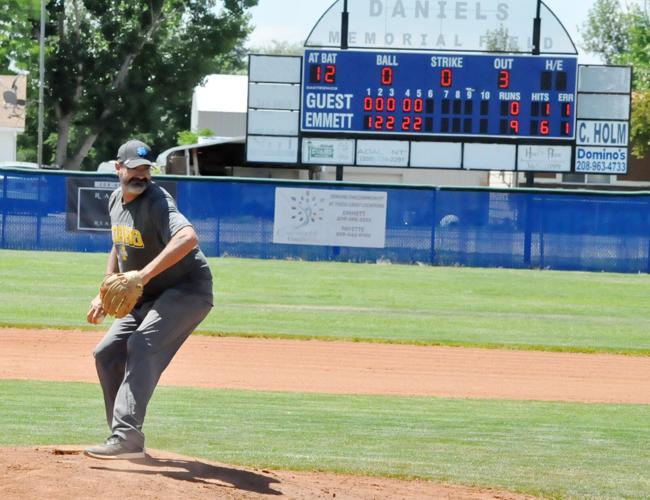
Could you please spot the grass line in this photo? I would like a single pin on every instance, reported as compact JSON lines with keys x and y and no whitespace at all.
{"x":420,"y":305}
{"x":550,"y":449}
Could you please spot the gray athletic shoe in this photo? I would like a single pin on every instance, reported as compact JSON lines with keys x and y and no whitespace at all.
{"x":115,"y":448}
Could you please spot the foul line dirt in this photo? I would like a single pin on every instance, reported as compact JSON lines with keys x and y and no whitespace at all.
{"x":347,"y":368}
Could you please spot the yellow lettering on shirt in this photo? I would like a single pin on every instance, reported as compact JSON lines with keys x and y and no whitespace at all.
{"x":126,"y":235}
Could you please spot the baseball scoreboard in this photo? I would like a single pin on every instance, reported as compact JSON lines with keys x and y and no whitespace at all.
{"x":445,"y":94}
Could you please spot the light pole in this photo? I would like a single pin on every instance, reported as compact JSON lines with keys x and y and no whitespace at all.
{"x":41,"y":82}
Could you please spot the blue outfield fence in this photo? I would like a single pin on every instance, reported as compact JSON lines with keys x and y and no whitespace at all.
{"x":521,"y":228}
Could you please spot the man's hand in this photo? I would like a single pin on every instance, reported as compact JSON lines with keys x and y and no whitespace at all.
{"x":96,"y":313}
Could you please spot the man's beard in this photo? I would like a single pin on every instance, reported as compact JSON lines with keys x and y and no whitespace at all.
{"x":137,"y":186}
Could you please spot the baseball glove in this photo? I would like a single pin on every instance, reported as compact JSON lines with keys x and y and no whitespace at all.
{"x":119,"y":292}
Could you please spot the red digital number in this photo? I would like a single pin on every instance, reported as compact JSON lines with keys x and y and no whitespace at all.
{"x":504,"y":79}
{"x":544,"y":127}
{"x":379,"y":122}
{"x":379,"y":104}
{"x":319,"y":72}
{"x":406,"y":123}
{"x":514,"y":126}
{"x":367,"y":103}
{"x":567,"y":128}
{"x":330,"y":73}
{"x":417,"y":123}
{"x":369,"y":122}
{"x":386,"y":75}
{"x":407,"y":105}
{"x":567,"y":110}
{"x":418,"y":105}
{"x":547,"y":109}
{"x":446,"y":77}
{"x":390,"y":123}
{"x":515,"y":108}
{"x":391,"y":104}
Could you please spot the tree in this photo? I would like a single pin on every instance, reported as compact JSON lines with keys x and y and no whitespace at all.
{"x":640,"y":128}
{"x":499,"y":40}
{"x":118,"y":69}
{"x":280,"y":48}
{"x":19,"y":26}
{"x":623,"y":37}
{"x":606,"y":30}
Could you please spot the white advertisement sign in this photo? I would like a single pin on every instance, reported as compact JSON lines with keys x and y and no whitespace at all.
{"x":602,"y":133}
{"x":615,"y":79}
{"x":601,"y":160}
{"x":273,"y":96}
{"x":316,"y":151}
{"x":274,"y":69}
{"x":266,"y":122}
{"x":436,"y":154}
{"x":330,"y":217}
{"x":272,"y":149}
{"x":544,"y":158}
{"x":489,"y":156}
{"x":603,"y":106}
{"x":383,"y":153}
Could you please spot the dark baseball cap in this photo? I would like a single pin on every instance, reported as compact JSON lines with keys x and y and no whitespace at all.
{"x":134,"y":153}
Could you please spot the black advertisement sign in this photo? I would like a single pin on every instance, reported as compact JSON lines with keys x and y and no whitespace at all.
{"x":87,"y":202}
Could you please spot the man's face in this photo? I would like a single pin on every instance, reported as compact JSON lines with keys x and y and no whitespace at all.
{"x":134,"y":180}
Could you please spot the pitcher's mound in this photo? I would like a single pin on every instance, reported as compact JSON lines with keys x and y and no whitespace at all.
{"x":63,"y":472}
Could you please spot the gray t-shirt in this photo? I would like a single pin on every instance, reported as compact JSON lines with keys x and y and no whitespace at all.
{"x":142,"y":228}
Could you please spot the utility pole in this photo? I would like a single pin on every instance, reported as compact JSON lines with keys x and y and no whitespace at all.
{"x":41,"y":83}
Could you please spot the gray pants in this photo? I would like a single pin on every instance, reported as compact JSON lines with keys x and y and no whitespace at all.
{"x":135,"y":351}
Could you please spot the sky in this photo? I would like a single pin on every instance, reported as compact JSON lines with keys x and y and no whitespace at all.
{"x":292,"y":20}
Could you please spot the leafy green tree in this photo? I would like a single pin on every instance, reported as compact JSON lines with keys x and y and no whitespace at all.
{"x":622,"y":36}
{"x":185,"y":137}
{"x":19,"y":26}
{"x":499,"y":40}
{"x":117,"y":69}
{"x":640,"y":128}
{"x":280,"y":48}
{"x":606,"y":30}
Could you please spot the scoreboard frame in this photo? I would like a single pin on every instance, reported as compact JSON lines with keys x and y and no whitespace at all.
{"x":410,"y":103}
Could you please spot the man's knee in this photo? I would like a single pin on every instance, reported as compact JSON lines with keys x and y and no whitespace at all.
{"x":108,"y":356}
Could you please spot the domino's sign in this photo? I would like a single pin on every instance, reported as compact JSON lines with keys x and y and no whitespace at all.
{"x":601,"y":160}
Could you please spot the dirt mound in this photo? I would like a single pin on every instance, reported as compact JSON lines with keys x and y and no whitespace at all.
{"x":63,"y":472}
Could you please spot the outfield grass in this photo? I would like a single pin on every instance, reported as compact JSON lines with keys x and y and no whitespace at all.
{"x":530,"y":309}
{"x":546,"y":449}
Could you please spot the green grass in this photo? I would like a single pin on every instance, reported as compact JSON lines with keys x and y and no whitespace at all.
{"x":529,"y":309}
{"x":548,"y":449}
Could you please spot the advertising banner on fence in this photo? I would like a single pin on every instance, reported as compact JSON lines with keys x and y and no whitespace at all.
{"x":87,"y":202}
{"x":330,"y":217}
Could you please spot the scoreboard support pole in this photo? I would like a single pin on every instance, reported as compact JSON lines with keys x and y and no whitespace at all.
{"x":344,"y":25}
{"x":344,"y":45}
{"x":537,"y":35}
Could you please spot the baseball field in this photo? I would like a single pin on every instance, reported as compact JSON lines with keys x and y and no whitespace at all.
{"x":321,"y":380}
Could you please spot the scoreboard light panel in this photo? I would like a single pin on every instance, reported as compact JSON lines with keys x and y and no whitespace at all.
{"x":426,"y":94}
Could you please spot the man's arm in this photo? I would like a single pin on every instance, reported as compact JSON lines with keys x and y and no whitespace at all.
{"x":111,"y":264}
{"x":96,"y":314}
{"x":178,"y":247}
